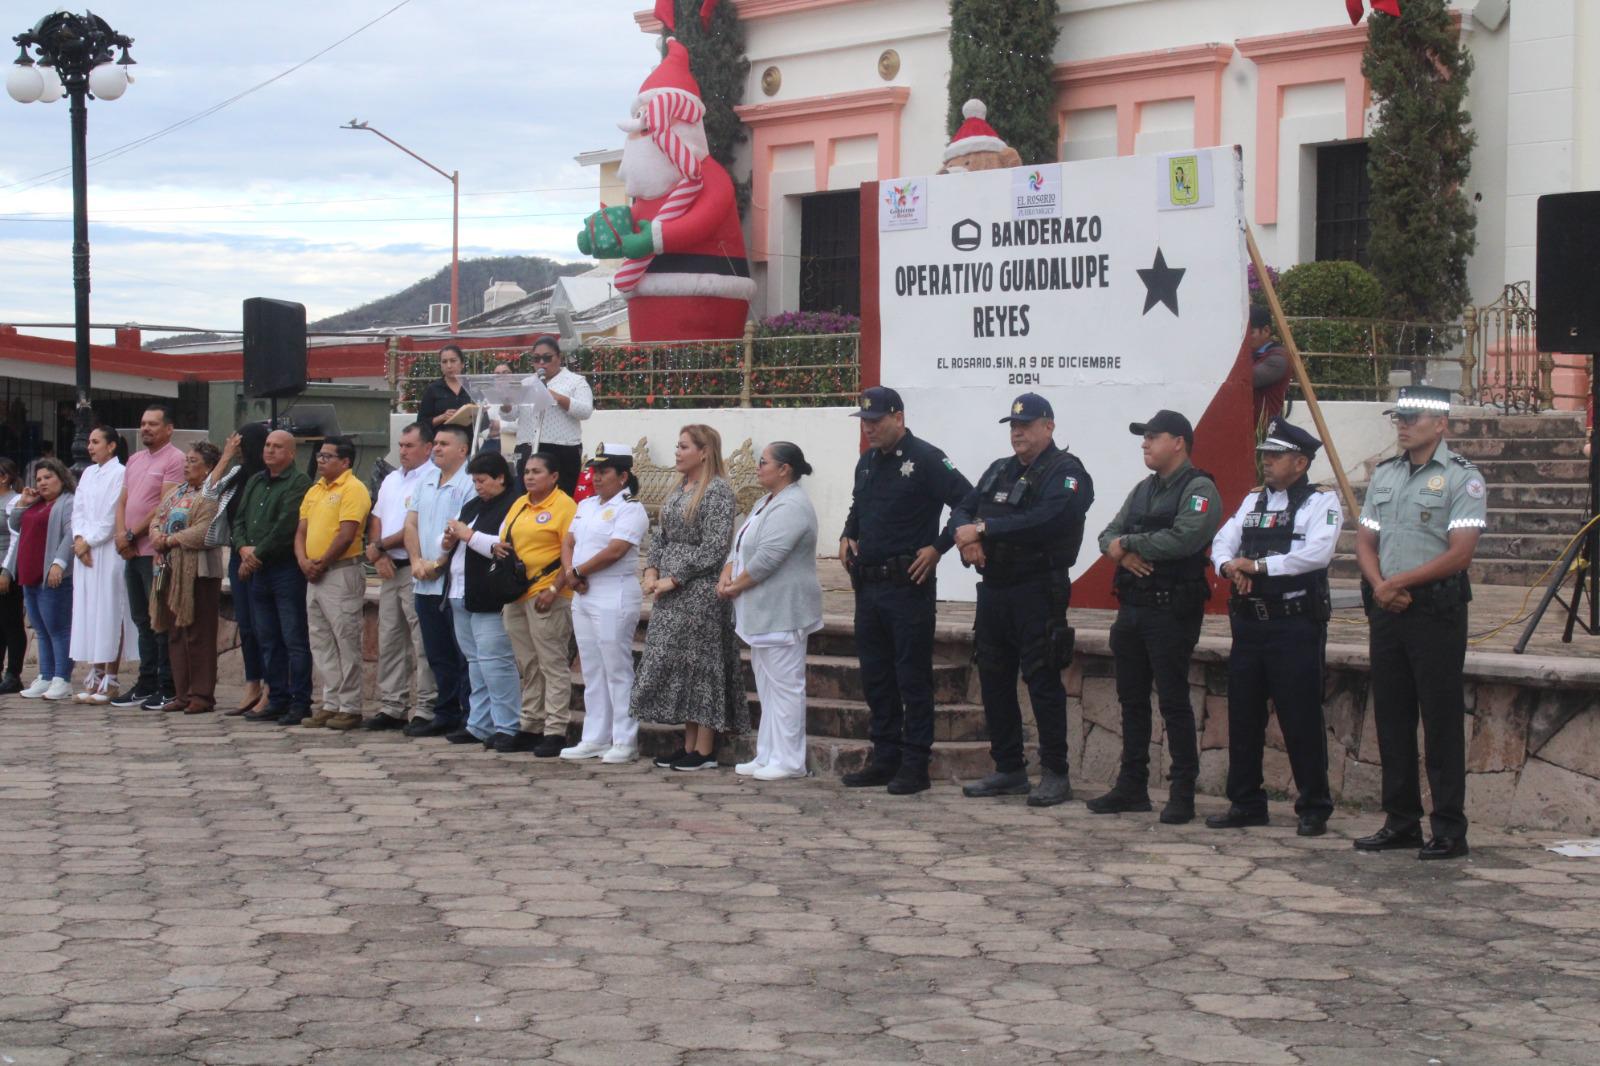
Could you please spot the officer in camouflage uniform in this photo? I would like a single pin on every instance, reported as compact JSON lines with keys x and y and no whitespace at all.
{"x":1160,"y":541}
{"x":1424,"y":512}
{"x":1022,"y":527}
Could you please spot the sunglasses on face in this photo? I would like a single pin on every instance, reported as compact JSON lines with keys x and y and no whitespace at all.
{"x":544,"y":358}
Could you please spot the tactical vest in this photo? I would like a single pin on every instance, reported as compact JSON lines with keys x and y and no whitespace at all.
{"x":1272,"y":533}
{"x":1187,"y":574}
{"x":1007,"y":563}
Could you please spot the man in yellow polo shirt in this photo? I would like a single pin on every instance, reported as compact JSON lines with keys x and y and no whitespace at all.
{"x":540,"y":623}
{"x":327,"y":545}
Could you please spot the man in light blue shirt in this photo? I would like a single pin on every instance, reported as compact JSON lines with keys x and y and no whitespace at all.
{"x":437,"y":500}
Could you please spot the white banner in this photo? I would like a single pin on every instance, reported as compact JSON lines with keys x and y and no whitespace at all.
{"x":1111,"y":309}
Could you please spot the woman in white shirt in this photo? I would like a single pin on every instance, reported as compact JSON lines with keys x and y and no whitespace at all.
{"x":771,"y":577}
{"x":600,"y":560}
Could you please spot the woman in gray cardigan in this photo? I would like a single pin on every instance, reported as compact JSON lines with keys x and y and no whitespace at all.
{"x":771,"y":577}
{"x":41,"y":558}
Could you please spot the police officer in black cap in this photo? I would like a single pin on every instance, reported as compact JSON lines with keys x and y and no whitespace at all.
{"x":1160,"y":541}
{"x":891,"y":547}
{"x":1275,"y":551}
{"x":1022,"y":527}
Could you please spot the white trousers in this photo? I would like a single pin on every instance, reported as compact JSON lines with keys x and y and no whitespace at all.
{"x":604,"y":621}
{"x":781,"y":685}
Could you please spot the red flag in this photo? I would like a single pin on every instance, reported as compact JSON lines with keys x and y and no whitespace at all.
{"x":1357,"y":8}
{"x":666,"y":16}
{"x":711,"y":5}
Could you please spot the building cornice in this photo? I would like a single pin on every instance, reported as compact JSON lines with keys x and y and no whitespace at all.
{"x":751,"y":10}
{"x":832,"y":105}
{"x":1304,"y":44}
{"x":1192,"y":59}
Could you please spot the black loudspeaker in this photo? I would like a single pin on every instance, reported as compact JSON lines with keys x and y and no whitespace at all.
{"x":274,"y":347}
{"x":1569,"y":272}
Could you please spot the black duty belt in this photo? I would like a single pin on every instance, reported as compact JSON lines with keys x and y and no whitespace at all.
{"x":1265,"y":610}
{"x":896,"y":571}
{"x":1157,"y":597}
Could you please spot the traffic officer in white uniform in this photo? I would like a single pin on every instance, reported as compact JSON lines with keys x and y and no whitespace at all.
{"x":600,"y":563}
{"x":1275,"y":552}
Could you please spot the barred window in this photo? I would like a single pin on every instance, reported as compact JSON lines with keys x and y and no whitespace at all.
{"x":830,"y":252}
{"x":1344,"y":192}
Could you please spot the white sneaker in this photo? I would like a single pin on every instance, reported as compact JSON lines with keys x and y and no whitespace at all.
{"x":60,"y":689}
{"x":748,"y":769}
{"x":585,"y":750}
{"x":40,"y":686}
{"x":619,"y":754}
{"x":772,"y":773}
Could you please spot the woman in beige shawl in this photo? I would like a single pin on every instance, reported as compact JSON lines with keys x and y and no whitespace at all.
{"x":187,"y":589}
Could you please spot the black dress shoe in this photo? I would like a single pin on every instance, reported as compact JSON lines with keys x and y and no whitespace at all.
{"x":518,"y":741}
{"x":1387,"y":839}
{"x":1118,"y":801}
{"x":999,"y":783}
{"x":1179,"y":810}
{"x":463,"y":736}
{"x":550,"y":746}
{"x":1311,"y":825}
{"x":873,"y":775}
{"x":1444,"y":848}
{"x":381,"y":721}
{"x":266,"y":714}
{"x":9,"y":684}
{"x":430,"y":727}
{"x":504,"y":743}
{"x":1234,"y":818}
{"x":1052,"y":789}
{"x":294,"y":716}
{"x":908,"y":780}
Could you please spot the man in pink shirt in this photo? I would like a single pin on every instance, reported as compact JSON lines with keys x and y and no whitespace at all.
{"x":150,"y":473}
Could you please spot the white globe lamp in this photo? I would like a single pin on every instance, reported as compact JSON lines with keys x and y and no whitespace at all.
{"x":24,"y":84}
{"x":108,"y":81}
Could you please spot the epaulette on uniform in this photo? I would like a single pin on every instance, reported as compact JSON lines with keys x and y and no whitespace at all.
{"x":1463,"y":462}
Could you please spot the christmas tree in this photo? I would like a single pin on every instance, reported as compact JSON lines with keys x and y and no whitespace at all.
{"x":1002,"y":52}
{"x":1419,"y":157}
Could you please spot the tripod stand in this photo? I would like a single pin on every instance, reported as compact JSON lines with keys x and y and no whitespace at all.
{"x":1580,"y":557}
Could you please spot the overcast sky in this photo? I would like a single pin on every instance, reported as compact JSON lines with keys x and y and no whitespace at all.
{"x":269,"y":197}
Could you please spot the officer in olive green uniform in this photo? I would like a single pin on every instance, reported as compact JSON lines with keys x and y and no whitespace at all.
{"x":1420,"y":524}
{"x":1160,"y":541}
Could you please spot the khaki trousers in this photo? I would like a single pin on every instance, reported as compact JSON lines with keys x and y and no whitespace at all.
{"x":333,"y":616}
{"x":540,"y":643}
{"x":401,"y":658}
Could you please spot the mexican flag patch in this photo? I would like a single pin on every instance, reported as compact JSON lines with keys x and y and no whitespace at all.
{"x":1071,"y":484}
{"x":1333,"y":518}
{"x":1199,"y":504}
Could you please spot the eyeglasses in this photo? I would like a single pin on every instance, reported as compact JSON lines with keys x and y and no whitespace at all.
{"x":327,"y":457}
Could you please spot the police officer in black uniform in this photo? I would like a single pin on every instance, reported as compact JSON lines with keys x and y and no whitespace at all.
{"x":891,"y":547}
{"x":1160,"y":541}
{"x":1275,"y":552}
{"x":1022,"y":527}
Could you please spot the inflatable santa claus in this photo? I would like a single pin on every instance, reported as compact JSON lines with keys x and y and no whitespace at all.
{"x":684,"y":270}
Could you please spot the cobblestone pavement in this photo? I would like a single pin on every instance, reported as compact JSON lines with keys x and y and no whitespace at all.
{"x":204,"y":890}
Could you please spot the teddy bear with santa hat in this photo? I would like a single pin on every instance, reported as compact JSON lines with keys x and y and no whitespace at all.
{"x":684,"y":271}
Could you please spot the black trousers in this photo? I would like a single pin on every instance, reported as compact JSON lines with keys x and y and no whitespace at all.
{"x":12,"y":633}
{"x":1279,"y":660}
{"x":1417,"y":662}
{"x":894,"y":640}
{"x":1012,"y":635}
{"x":569,"y":459}
{"x":155,"y":665}
{"x":1153,"y":645}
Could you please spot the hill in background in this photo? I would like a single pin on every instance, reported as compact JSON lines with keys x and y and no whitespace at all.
{"x":409,"y":306}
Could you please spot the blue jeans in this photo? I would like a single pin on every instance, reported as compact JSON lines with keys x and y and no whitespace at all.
{"x":50,"y":614}
{"x":155,"y":668}
{"x":434,"y":619}
{"x":278,"y":598}
{"x":244,"y":619}
{"x":492,"y":666}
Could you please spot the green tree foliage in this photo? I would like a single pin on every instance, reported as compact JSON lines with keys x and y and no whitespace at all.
{"x":1420,"y":156}
{"x":716,"y":56}
{"x":1001,"y":52}
{"x":1342,"y":299}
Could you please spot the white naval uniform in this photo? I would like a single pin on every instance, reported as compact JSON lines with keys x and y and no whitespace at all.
{"x":605,"y":618}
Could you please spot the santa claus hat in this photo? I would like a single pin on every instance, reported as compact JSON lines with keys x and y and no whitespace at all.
{"x":975,"y":134}
{"x":672,"y":76}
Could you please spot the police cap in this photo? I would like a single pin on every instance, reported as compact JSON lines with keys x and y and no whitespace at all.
{"x":877,"y":402}
{"x":1029,"y":407}
{"x":1284,"y":437}
{"x":1165,"y":422}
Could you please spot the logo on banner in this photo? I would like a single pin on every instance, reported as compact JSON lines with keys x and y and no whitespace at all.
{"x":1036,"y":193}
{"x":966,"y":235}
{"x":904,"y":205}
{"x":1185,"y":182}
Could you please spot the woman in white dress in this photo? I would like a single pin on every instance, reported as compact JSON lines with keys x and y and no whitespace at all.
{"x":101,"y":624}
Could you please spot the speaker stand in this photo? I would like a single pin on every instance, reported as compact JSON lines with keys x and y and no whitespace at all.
{"x":1579,"y":559}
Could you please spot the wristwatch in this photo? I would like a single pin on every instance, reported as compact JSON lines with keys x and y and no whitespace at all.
{"x":1256,"y":567}
{"x":981,"y":526}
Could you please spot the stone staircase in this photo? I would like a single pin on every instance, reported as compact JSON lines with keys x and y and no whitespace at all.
{"x":1538,"y":493}
{"x":837,"y":737}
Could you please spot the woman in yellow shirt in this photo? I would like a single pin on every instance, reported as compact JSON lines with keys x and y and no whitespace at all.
{"x":540,"y":623}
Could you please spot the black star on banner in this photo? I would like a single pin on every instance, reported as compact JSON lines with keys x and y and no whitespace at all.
{"x":1161,"y":284}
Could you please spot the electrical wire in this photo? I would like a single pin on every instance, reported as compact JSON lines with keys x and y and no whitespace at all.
{"x":139,"y":142}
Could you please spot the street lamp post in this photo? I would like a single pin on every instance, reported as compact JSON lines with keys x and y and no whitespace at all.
{"x":71,"y":56}
{"x":454,"y":178}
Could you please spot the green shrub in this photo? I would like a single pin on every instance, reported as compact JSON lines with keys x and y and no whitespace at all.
{"x":1343,"y":299}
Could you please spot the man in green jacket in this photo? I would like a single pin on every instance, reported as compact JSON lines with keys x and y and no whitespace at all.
{"x":1160,"y":541}
{"x":274,"y":588}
